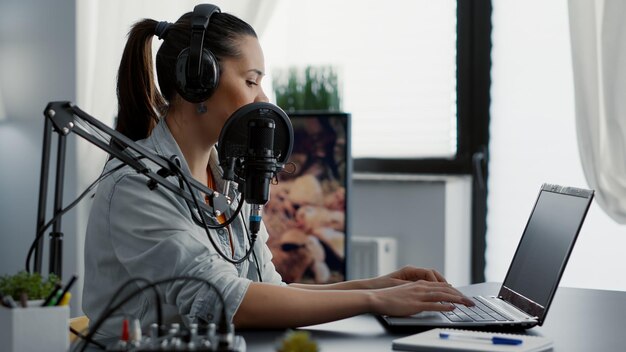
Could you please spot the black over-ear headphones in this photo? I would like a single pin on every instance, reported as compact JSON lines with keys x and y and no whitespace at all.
{"x":197,"y":69}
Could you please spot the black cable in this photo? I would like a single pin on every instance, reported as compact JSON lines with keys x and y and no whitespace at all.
{"x":81,"y":336}
{"x":65,"y":210}
{"x":205,"y":224}
{"x":208,"y":233}
{"x":182,"y":181}
{"x":215,"y":227}
{"x":106,"y":314}
{"x":237,"y":212}
{"x":159,"y":307}
{"x":256,"y":260}
{"x":258,"y":269}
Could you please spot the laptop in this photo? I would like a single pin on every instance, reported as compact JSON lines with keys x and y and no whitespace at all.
{"x":533,"y":276}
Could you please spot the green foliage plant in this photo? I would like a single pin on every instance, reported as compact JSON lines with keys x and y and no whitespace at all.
{"x":311,"y":88}
{"x":297,"y":341}
{"x":33,"y":284}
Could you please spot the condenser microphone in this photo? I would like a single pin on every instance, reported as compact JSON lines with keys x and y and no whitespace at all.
{"x":253,"y":146}
{"x":260,"y":167}
{"x":260,"y":160}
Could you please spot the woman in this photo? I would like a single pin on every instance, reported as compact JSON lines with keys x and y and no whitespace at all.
{"x":137,"y":232}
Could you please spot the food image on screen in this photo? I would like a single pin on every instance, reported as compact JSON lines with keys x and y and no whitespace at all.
{"x":306,"y":214}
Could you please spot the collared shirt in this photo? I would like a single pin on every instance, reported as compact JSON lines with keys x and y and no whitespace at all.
{"x":135,"y":232}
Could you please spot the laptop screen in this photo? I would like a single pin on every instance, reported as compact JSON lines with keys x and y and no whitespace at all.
{"x":546,"y":243}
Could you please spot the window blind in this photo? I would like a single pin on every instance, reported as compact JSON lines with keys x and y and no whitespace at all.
{"x":396,"y":66}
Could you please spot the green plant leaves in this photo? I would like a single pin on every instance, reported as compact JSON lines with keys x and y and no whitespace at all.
{"x":314,"y":88}
{"x":33,"y":284}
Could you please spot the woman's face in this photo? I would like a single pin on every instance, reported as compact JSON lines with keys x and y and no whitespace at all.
{"x":240,"y":82}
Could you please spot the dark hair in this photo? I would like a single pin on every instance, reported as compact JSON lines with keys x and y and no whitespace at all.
{"x":140,"y":104}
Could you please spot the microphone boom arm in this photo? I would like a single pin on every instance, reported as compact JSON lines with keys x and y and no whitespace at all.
{"x":66,"y":118}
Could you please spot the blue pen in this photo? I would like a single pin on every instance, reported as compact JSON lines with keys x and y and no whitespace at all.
{"x":494,"y":340}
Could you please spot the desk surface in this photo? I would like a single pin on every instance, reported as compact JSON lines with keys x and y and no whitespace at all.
{"x":578,"y":320}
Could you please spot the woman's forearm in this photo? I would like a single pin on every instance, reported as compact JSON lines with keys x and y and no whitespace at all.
{"x":271,"y":306}
{"x":345,"y":285}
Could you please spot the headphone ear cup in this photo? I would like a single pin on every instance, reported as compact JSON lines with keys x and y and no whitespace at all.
{"x":210,"y":72}
{"x":192,"y":90}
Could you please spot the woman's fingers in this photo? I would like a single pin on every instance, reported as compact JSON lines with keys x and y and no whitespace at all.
{"x":415,"y":297}
{"x":444,"y":297}
{"x":411,"y":273}
{"x":441,"y":292}
{"x":430,"y":275}
{"x":445,"y":285}
{"x":434,"y":275}
{"x":436,"y":307}
{"x":439,"y":277}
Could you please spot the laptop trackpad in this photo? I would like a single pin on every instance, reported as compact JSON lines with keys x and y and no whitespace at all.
{"x":426,"y":315}
{"x":419,"y":319}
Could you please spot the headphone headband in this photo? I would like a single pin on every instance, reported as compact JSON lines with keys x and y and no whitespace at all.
{"x":202,"y":13}
{"x":199,"y":22}
{"x":197,"y":69}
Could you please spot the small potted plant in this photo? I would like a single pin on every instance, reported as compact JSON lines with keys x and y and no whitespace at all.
{"x":20,"y":320}
{"x":297,"y":341}
{"x":27,"y":286}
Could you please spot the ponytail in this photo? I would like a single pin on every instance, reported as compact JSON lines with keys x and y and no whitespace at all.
{"x":140,"y":104}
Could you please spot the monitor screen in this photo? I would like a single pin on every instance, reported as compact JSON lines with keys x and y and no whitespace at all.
{"x":545,"y":246}
{"x":306,"y":216}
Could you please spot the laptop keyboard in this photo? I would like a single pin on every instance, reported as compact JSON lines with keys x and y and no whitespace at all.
{"x":478,"y":313}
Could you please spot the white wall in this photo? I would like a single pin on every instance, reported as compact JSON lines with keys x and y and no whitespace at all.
{"x":37,"y":65}
{"x":533,"y":140}
{"x":429,"y":216}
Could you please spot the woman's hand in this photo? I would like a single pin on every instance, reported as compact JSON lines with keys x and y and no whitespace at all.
{"x":414,"y":297}
{"x":406,"y":275}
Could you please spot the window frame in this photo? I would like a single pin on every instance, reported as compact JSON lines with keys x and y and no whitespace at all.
{"x":473,"y":99}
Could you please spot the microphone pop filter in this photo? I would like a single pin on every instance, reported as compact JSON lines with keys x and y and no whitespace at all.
{"x":233,"y":139}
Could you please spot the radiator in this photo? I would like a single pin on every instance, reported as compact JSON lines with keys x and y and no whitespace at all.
{"x":372,"y":256}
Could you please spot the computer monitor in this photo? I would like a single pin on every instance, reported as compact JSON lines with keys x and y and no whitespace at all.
{"x":307,"y":215}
